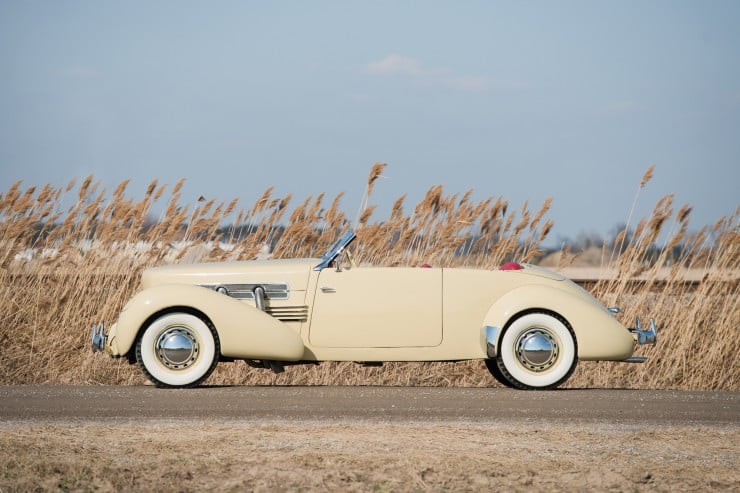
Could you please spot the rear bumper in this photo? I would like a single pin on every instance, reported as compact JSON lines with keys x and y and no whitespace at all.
{"x":645,"y":336}
{"x":99,"y":338}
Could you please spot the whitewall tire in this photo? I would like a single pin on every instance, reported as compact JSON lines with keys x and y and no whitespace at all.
{"x":538,"y":351}
{"x":178,"y":350}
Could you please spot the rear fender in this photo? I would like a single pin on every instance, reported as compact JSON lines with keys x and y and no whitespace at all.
{"x":244,"y":331}
{"x":599,"y":335}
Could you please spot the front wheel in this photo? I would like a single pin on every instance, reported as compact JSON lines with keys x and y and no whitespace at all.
{"x":178,"y":350}
{"x":538,"y":351}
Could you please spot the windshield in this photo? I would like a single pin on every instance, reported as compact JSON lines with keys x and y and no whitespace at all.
{"x":336,"y":248}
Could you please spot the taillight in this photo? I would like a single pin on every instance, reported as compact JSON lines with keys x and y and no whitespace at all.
{"x":511,"y":266}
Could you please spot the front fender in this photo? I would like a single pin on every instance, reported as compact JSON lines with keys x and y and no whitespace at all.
{"x":244,"y":331}
{"x":599,"y":335}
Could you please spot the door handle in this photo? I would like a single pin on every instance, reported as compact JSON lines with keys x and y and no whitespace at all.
{"x":328,"y":289}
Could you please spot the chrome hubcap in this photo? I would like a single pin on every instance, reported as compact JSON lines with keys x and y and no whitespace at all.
{"x":177,"y":348}
{"x":537,"y":349}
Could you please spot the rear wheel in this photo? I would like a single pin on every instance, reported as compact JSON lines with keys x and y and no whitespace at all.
{"x":494,"y":370}
{"x":538,"y":351}
{"x":178,"y":350}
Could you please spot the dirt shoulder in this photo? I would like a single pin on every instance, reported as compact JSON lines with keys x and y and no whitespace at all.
{"x":57,"y":438}
{"x":355,"y":455}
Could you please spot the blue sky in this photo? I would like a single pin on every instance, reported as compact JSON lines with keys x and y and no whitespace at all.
{"x":524,"y":100}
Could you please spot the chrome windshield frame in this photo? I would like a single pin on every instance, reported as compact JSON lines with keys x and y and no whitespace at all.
{"x":336,"y":249}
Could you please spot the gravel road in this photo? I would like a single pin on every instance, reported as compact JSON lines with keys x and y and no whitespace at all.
{"x":369,"y":403}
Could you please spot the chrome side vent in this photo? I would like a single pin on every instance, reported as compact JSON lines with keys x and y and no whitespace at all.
{"x":273,"y":290}
{"x":288,"y":313}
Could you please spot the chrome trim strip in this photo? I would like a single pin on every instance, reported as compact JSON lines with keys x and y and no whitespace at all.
{"x":491,"y":340}
{"x":273,"y":290}
{"x":288,"y":313}
{"x":635,"y":359}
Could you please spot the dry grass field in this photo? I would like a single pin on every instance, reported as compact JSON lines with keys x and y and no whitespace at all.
{"x":72,"y":256}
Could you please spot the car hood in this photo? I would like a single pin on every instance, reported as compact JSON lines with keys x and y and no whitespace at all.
{"x":293,"y":272}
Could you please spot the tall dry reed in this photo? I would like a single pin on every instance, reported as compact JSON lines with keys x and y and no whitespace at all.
{"x":72,"y":256}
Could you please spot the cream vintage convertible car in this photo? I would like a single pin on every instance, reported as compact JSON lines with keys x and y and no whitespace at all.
{"x":530,"y":325}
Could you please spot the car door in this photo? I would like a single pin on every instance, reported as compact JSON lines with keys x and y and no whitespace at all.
{"x":377,"y":307}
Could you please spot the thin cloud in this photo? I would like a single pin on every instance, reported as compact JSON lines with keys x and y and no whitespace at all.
{"x":394,"y":64}
{"x":403,"y":66}
{"x":469,"y":83}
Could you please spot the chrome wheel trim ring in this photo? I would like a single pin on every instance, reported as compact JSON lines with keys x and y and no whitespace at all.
{"x":177,"y":347}
{"x":537,"y":349}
